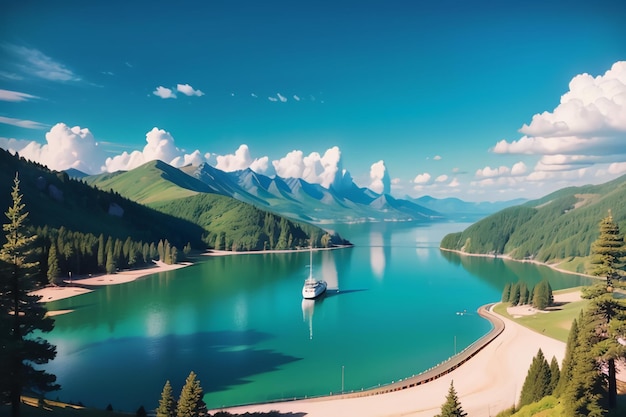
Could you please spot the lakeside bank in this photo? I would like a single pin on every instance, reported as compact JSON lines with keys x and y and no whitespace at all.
{"x":509,"y":258}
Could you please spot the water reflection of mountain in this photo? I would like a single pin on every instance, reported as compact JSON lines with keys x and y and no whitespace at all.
{"x":497,"y":272}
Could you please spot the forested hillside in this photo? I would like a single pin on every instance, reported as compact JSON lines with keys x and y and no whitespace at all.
{"x":55,"y":200}
{"x":233,"y":225}
{"x":556,"y":228}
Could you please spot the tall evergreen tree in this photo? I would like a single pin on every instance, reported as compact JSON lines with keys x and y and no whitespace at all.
{"x":190,"y":403}
{"x":167,"y":404}
{"x":537,"y":382}
{"x":542,"y":295}
{"x":506,"y":292}
{"x":452,"y":406}
{"x":523,"y":293}
{"x":584,"y":393}
{"x":555,"y":375}
{"x":20,"y":313}
{"x":53,"y":265}
{"x":608,"y":251}
{"x":568,"y":360}
{"x":515,"y":294}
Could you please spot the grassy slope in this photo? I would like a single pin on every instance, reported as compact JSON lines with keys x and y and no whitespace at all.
{"x":152,"y":182}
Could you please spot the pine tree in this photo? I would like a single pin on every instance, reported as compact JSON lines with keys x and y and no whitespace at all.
{"x":608,"y":251}
{"x":190,"y":403}
{"x":101,"y":251}
{"x":584,"y":393}
{"x":568,"y":360}
{"x":555,"y":375}
{"x":20,"y":313}
{"x":537,"y":382}
{"x":523,"y":293}
{"x":506,"y":292}
{"x":53,"y":265}
{"x":452,"y":406}
{"x":515,"y":294}
{"x":542,"y":296}
{"x":167,"y":404}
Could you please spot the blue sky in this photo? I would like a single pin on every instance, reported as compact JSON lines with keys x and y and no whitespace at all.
{"x":457,"y":98}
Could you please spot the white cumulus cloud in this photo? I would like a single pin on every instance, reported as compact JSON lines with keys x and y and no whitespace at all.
{"x":241,"y":160}
{"x":282,"y":98}
{"x":422,"y":178}
{"x":65,"y":148}
{"x":160,"y":146}
{"x":314,"y":168}
{"x":164,"y":92}
{"x":381,"y":182}
{"x":590,"y":120}
{"x":441,"y":178}
{"x":188,"y":90}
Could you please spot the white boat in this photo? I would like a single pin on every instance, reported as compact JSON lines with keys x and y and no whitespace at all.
{"x":312,"y":288}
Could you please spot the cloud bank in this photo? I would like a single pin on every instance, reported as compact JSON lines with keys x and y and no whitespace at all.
{"x":587,"y":127}
{"x":159,"y":146}
{"x":313,"y":168}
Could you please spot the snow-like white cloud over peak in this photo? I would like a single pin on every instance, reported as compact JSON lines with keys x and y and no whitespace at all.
{"x":314,"y":168}
{"x":164,"y":92}
{"x":160,"y":146}
{"x":188,"y":90}
{"x":15,"y":96}
{"x":241,"y":160}
{"x":65,"y":148}
{"x":381,"y":181}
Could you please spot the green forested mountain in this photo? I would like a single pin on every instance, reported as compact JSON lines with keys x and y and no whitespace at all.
{"x":233,"y":225}
{"x":557,"y":228}
{"x":55,"y":200}
{"x":152,"y":182}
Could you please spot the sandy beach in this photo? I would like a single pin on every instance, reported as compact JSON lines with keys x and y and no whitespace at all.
{"x":70,"y":289}
{"x":488,"y":383}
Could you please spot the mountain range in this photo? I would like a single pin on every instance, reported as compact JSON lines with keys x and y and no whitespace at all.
{"x":343,"y":201}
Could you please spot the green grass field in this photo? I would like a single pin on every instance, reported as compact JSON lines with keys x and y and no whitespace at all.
{"x":555,"y":323}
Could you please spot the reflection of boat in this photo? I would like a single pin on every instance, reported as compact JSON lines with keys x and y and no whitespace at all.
{"x":312,"y":288}
{"x":308,"y":307}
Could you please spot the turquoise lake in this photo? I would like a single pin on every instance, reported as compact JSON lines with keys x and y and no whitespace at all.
{"x":240,"y":322}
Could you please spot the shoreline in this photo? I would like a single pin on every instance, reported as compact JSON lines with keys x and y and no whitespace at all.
{"x":509,"y":258}
{"x":76,"y":287}
{"x":488,"y":380}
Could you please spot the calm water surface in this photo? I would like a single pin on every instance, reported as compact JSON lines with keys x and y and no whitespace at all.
{"x":240,"y":323}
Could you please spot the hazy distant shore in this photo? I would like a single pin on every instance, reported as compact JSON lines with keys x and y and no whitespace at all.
{"x":215,"y":252}
{"x":509,"y":258}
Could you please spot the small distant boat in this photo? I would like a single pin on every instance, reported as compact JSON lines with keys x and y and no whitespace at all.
{"x":312,"y":288}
